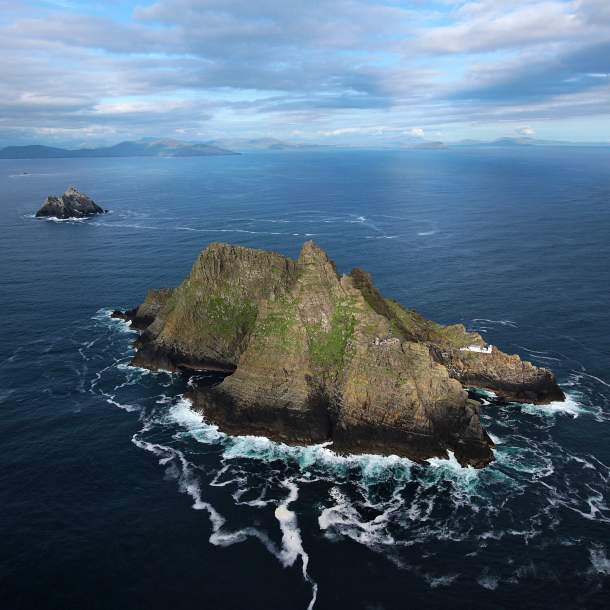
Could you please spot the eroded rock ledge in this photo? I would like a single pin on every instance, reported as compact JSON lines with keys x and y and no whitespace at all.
{"x":313,"y":356}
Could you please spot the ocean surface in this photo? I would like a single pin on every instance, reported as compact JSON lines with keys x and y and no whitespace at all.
{"x":113,"y":494}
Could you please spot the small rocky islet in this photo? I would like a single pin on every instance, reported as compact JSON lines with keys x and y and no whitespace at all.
{"x":72,"y":204}
{"x":312,"y":356}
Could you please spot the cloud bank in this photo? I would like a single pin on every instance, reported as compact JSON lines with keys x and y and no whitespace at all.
{"x":338,"y":70}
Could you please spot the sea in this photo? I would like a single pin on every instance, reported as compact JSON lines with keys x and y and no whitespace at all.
{"x":114,"y":494}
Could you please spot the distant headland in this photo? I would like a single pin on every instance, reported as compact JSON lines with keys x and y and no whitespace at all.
{"x":312,"y":356}
{"x":140,"y":148}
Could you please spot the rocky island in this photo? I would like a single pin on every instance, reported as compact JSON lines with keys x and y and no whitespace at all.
{"x":311,"y":356}
{"x":72,"y":204}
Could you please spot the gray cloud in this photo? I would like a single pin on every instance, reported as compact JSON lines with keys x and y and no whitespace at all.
{"x":572,"y":71}
{"x":489,"y":26}
{"x":226,"y":66}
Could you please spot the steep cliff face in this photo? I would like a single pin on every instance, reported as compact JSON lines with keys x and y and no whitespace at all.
{"x":314,"y":357}
{"x":207,"y":321}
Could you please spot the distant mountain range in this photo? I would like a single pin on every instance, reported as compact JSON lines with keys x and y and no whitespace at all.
{"x":524,"y":141}
{"x":154,"y":147}
{"x":253,"y":144}
{"x":140,"y":148}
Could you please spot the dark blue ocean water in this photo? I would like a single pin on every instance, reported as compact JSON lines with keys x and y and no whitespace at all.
{"x":114,"y":495}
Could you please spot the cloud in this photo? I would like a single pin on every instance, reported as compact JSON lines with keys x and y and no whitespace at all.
{"x":526,"y":131}
{"x":562,"y":71}
{"x":365,"y":69}
{"x":489,"y":26}
{"x":348,"y":131}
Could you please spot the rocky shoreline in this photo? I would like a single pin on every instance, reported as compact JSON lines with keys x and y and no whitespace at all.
{"x":311,"y":356}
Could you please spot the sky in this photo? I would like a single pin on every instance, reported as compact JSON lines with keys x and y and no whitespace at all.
{"x":339,"y":72}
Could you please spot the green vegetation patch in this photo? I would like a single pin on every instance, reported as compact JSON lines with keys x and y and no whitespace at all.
{"x":328,"y":348}
{"x":192,"y":311}
{"x":278,"y":322}
{"x":228,"y":316}
{"x":410,"y":325}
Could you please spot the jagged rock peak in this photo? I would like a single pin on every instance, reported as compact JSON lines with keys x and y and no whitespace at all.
{"x":72,"y":191}
{"x":314,"y":357}
{"x":312,"y":253}
{"x":72,"y":204}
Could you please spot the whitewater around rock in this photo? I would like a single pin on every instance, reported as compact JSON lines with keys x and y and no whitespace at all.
{"x":312,"y":357}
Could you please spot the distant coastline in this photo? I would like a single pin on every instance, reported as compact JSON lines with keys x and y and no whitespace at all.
{"x":158,"y":147}
{"x":140,"y":148}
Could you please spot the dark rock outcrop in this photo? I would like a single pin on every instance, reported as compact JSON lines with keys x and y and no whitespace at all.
{"x":314,"y":356}
{"x":72,"y":204}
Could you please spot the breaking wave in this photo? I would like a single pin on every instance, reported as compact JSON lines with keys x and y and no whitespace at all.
{"x":406,"y":512}
{"x":569,"y":406}
{"x":71,"y":220}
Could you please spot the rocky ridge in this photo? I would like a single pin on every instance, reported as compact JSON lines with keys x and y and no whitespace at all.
{"x":312,"y":356}
{"x":72,"y":204}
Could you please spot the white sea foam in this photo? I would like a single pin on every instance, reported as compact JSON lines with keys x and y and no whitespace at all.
{"x":569,"y":406}
{"x":291,"y":547}
{"x":111,"y":399}
{"x":104,"y":316}
{"x":426,"y":233}
{"x":585,"y":463}
{"x":343,"y":518}
{"x":465,"y":479}
{"x":134,"y":376}
{"x":126,"y":366}
{"x":600,"y":563}
{"x":589,"y":376}
{"x":595,"y":508}
{"x":501,"y":322}
{"x":539,"y":354}
{"x":441,"y":581}
{"x":532,"y":460}
{"x":483,"y":392}
{"x":85,"y":346}
{"x":410,"y":509}
{"x":182,"y":413}
{"x":488,"y":581}
{"x":496,"y":439}
{"x":71,"y":219}
{"x":450,"y":464}
{"x":233,"y":231}
{"x":370,"y":467}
